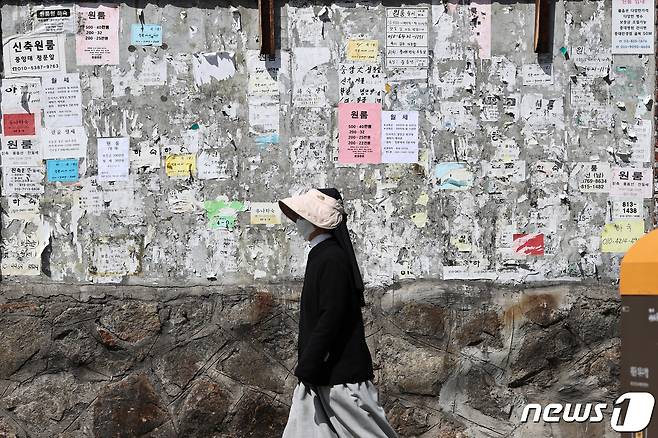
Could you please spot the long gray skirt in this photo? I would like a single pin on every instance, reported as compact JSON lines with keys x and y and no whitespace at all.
{"x":346,"y":410}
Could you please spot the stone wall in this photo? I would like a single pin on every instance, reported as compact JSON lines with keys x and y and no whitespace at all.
{"x":453,"y":360}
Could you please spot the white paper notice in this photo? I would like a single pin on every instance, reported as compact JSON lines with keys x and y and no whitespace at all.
{"x":642,"y":136}
{"x":23,"y":93}
{"x":19,"y":152}
{"x":113,"y":159}
{"x":360,"y":83}
{"x":62,"y":100}
{"x":145,"y":156}
{"x":34,"y":55}
{"x":263,"y":74}
{"x":54,"y":19}
{"x":399,"y":136}
{"x":22,"y":207}
{"x":627,"y":209}
{"x":210,"y":165}
{"x":593,"y":177}
{"x":60,"y":143}
{"x":21,"y":252}
{"x":407,"y":37}
{"x":537,"y":74}
{"x":22,"y":180}
{"x":632,"y":182}
{"x":632,"y":26}
{"x":310,"y":76}
{"x":154,"y":72}
{"x":595,"y":64}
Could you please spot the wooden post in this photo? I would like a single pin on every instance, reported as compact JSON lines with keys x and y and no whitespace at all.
{"x":266,"y":14}
{"x":543,"y":26}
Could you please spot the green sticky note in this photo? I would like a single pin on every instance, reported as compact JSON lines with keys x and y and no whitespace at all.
{"x":222,"y":214}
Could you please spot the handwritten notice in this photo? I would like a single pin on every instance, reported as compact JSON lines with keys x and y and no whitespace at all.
{"x":632,"y":182}
{"x":632,"y":27}
{"x":452,"y":176}
{"x":309,"y":76}
{"x":399,"y":136}
{"x":593,"y":177}
{"x":263,"y":74}
{"x":22,"y":207}
{"x":98,"y":44}
{"x":528,"y":244}
{"x":21,"y":93}
{"x":18,"y":124}
{"x":54,"y":19}
{"x":407,"y":37}
{"x":146,"y":34}
{"x":22,"y":180}
{"x":210,"y":165}
{"x":21,"y":251}
{"x":222,"y":214}
{"x":145,"y":156}
{"x":34,"y":55}
{"x":360,"y":83}
{"x":113,"y":159}
{"x":594,"y":63}
{"x":19,"y":152}
{"x":626,"y":209}
{"x":619,"y":236}
{"x":265,"y":213}
{"x":68,"y":142}
{"x":359,"y":132}
{"x":537,"y":74}
{"x":180,"y":165}
{"x":362,"y":50}
{"x":63,"y":100}
{"x":62,"y":170}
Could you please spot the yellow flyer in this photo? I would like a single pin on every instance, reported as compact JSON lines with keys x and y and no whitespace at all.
{"x":183,"y":165}
{"x":619,"y":236}
{"x":362,"y":50}
{"x":265,"y":213}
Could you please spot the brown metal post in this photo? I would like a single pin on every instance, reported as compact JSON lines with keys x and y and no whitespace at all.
{"x":543,"y":26}
{"x":266,"y":14}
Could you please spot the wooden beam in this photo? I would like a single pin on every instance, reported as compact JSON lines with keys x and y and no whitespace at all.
{"x":266,"y":14}
{"x":543,"y":26}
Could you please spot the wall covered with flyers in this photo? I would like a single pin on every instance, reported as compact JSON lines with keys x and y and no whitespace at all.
{"x":149,"y":145}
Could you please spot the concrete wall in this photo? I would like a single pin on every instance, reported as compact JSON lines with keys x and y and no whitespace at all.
{"x":198,"y":334}
{"x":154,"y":227}
{"x":452,"y":360}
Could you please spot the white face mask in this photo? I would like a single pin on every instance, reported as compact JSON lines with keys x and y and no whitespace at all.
{"x":304,"y":227}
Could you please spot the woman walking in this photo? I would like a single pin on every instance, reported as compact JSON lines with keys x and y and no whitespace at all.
{"x":335,"y":396}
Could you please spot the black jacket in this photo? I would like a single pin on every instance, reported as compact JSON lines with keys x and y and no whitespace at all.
{"x":330,"y":321}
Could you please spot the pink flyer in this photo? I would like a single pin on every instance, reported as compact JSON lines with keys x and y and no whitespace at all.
{"x":98,"y":42}
{"x":359,"y":133}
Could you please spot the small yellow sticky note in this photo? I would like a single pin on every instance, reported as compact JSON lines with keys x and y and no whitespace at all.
{"x":419,"y":219}
{"x":180,"y":165}
{"x":423,"y":199}
{"x":362,"y":50}
{"x":620,"y":235}
{"x":265,"y":213}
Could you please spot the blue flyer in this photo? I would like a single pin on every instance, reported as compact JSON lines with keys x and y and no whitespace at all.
{"x":146,"y":35}
{"x":62,"y":170}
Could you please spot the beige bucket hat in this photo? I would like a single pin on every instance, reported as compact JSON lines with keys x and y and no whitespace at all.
{"x":319,"y":209}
